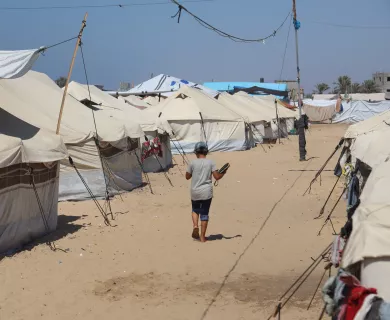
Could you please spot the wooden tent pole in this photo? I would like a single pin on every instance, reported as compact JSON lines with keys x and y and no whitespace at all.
{"x":78,"y":42}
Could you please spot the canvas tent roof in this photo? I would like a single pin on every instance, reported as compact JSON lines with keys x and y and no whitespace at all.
{"x":371,"y":221}
{"x":245,"y":98}
{"x":246,"y":110}
{"x":269,"y":101}
{"x":371,"y":124}
{"x":168,"y":84}
{"x":153,"y":100}
{"x":36,"y":99}
{"x":20,"y":142}
{"x":113,"y":107}
{"x":189,"y":103}
{"x":135,"y":102}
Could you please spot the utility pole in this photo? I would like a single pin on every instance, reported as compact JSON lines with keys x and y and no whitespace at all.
{"x":301,"y":122}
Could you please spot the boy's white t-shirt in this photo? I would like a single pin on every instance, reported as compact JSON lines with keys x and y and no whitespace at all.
{"x":201,"y":183}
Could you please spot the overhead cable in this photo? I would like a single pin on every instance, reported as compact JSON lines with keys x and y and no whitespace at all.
{"x":99,"y":6}
{"x":220,"y":32}
{"x":346,"y":26}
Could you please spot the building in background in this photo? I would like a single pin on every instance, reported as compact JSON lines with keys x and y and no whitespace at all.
{"x":292,"y":88}
{"x":382,"y":80}
{"x":124,"y":86}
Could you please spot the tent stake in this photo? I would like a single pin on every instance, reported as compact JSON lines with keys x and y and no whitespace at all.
{"x":78,"y":42}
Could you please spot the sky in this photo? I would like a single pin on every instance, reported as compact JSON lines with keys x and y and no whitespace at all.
{"x":129,"y":44}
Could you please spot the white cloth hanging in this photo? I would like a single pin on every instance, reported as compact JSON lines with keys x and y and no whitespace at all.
{"x":15,"y":64}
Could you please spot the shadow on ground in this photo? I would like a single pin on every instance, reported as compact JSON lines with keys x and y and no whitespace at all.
{"x":65,"y":226}
{"x":215,"y":237}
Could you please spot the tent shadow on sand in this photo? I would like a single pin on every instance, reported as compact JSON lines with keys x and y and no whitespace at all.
{"x":215,"y":237}
{"x":65,"y":226}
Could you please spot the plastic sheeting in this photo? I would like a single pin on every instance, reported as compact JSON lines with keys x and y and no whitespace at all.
{"x":20,"y":217}
{"x":168,"y":84}
{"x":15,"y":64}
{"x":357,"y":111}
{"x":319,"y":110}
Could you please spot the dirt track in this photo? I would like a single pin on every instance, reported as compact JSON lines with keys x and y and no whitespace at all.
{"x":147,"y":267}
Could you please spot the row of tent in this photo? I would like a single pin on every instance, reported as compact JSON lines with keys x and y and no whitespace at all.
{"x":103,"y":144}
{"x":365,"y":161}
{"x":343,"y":111}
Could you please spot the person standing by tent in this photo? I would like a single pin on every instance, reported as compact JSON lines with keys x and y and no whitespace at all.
{"x":201,"y":171}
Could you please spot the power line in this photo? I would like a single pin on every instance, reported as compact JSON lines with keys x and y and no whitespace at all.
{"x":124,"y":5}
{"x":346,"y":26}
{"x":285,"y":51}
{"x":219,"y":31}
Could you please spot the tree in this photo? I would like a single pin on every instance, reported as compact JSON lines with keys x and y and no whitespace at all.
{"x":343,"y":84}
{"x":369,"y":86}
{"x":308,"y":96}
{"x":322,"y":87}
{"x":61,"y":81}
{"x":355,"y":88}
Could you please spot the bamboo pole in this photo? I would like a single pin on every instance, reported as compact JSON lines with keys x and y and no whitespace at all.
{"x":78,"y":42}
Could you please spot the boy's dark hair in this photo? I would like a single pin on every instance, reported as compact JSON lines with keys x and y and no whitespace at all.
{"x":201,"y":148}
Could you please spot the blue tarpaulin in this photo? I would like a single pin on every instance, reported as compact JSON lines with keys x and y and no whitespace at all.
{"x":229,"y":86}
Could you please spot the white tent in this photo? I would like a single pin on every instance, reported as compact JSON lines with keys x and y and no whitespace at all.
{"x":153,"y":100}
{"x":284,"y":113}
{"x":36,"y":99}
{"x":27,"y":154}
{"x":357,"y":111}
{"x":195,"y":116}
{"x":252,"y":117}
{"x":272,"y":129}
{"x":119,"y":110}
{"x":371,"y":124}
{"x":369,"y":242}
{"x":135,"y":102}
{"x":319,"y":110}
{"x":167,"y":85}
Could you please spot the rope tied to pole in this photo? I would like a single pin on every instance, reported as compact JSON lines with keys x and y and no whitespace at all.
{"x":50,"y":244}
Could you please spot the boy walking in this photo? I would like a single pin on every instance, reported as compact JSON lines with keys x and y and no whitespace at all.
{"x":201,"y":171}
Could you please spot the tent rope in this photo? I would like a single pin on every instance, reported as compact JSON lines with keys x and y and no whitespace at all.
{"x":326,"y":202}
{"x":57,"y":44}
{"x":161,"y":166}
{"x":93,"y":197}
{"x":50,"y":244}
{"x":107,"y":198}
{"x":144,"y":172}
{"x":204,"y":131}
{"x":328,"y":218}
{"x":300,"y":281}
{"x":324,"y":165}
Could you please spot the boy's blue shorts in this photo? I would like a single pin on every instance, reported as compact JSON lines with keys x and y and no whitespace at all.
{"x":201,"y":208}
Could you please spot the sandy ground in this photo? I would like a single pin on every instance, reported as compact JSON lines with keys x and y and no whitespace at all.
{"x":263,"y":236}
